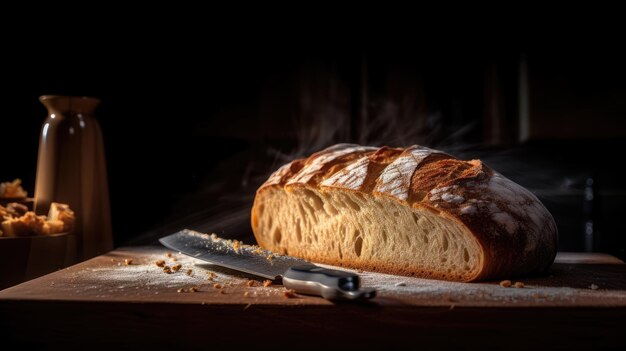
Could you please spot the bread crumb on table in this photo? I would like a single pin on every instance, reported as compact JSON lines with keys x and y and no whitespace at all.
{"x":176,"y":267}
{"x":222,"y":291}
{"x":518,"y":285}
{"x":217,"y":286}
{"x":505,"y":283}
{"x":290,"y":294}
{"x":593,"y":287}
{"x":250,"y":283}
{"x":128,"y":261}
{"x":246,"y":294}
{"x":189,"y":271}
{"x":267,"y":283}
{"x":193,"y":289}
{"x":169,"y":254}
{"x":167,"y":269}
{"x":160,"y":263}
{"x":236,"y":245}
{"x":181,"y":290}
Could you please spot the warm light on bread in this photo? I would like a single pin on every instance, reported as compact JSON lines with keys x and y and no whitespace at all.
{"x":413,"y":211}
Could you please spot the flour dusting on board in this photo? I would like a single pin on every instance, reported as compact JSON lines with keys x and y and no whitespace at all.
{"x":147,"y":276}
{"x":430,"y":292}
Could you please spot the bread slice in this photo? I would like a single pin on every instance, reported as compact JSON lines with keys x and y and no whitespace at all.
{"x":413,"y":211}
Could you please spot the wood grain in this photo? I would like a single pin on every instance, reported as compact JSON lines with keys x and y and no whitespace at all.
{"x":103,"y":301}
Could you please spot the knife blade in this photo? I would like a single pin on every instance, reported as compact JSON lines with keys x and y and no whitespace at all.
{"x":297,"y":274}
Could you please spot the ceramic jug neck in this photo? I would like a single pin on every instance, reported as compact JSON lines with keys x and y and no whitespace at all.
{"x":69,"y":104}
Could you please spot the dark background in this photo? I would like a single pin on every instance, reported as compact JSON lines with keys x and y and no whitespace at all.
{"x":193,"y":123}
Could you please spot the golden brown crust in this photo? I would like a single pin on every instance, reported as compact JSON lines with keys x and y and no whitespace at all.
{"x":517,"y":234}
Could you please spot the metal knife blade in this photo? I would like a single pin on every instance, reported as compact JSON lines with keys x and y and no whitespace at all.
{"x":222,"y":252}
{"x":297,"y":274}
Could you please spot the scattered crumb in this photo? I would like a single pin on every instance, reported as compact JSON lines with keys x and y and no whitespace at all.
{"x":211,"y":274}
{"x":222,"y":291}
{"x":593,"y":287}
{"x":112,"y":260}
{"x":250,"y":283}
{"x":217,"y":286}
{"x":246,"y":294}
{"x":401,"y":284}
{"x":160,"y":263}
{"x":267,"y":283}
{"x":167,"y":269}
{"x":257,"y":251}
{"x":290,"y":294}
{"x":174,"y":259}
{"x":270,"y":257}
{"x":236,"y":245}
{"x":176,"y":267}
{"x":505,"y":283}
{"x":181,"y":290}
{"x":128,"y":261}
{"x":169,"y":254}
{"x":518,"y":285}
{"x":193,"y":289}
{"x":189,"y":271}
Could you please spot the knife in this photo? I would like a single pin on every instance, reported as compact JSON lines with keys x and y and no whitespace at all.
{"x":297,"y":274}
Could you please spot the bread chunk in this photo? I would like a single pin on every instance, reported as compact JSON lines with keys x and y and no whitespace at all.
{"x":411,"y":211}
{"x":12,"y":189}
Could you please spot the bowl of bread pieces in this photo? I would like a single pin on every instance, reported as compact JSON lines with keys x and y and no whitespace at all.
{"x":32,"y":245}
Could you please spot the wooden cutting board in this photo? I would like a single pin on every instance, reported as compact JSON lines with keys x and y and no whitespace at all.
{"x":105,"y":294}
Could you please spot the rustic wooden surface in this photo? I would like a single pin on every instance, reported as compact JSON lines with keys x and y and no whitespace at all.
{"x":581,"y":301}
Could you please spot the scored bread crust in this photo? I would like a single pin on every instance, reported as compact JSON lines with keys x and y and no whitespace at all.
{"x":499,"y":228}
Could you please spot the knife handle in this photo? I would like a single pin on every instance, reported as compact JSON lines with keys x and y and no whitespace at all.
{"x":329,"y":283}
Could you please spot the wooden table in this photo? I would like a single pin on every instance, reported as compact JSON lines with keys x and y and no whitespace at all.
{"x":104,"y":302}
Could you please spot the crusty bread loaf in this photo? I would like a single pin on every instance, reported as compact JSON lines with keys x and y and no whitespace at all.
{"x":413,"y":211}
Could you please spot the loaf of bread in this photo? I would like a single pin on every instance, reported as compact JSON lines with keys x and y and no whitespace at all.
{"x":413,"y":211}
